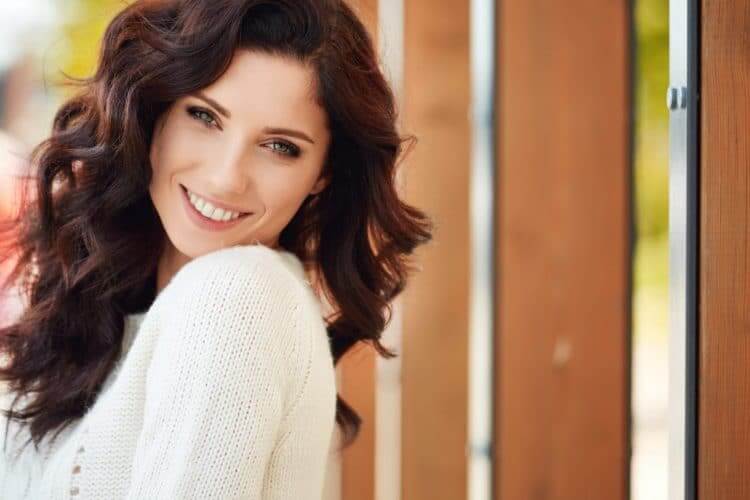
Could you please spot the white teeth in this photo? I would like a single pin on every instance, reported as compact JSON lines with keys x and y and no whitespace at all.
{"x":208,"y":210}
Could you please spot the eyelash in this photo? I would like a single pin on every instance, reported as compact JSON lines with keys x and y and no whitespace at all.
{"x":195,"y":112}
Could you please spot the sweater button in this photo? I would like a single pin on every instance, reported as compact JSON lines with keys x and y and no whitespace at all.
{"x":74,"y":490}
{"x":76,"y":469}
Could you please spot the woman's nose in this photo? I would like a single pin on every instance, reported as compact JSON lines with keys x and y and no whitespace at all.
{"x":230,"y":174}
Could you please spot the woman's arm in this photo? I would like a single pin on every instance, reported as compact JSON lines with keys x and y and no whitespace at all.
{"x":221,"y":377}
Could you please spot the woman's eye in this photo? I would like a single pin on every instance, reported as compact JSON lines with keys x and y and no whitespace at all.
{"x":279,"y":147}
{"x":202,"y":115}
{"x":284,"y":148}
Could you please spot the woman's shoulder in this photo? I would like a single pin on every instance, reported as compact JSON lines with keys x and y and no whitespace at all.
{"x":243,"y":268}
{"x":242,"y":283}
{"x":237,"y":301}
{"x":242,"y":254}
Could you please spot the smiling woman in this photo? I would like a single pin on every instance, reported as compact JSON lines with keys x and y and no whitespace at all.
{"x":173,"y":344}
{"x":258,"y":150}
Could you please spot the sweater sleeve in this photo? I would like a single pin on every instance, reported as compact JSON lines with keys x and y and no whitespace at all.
{"x":220,"y":380}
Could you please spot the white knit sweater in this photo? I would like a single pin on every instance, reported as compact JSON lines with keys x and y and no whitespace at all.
{"x":225,"y":390}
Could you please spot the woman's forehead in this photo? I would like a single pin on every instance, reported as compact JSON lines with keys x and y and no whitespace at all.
{"x":257,"y":76}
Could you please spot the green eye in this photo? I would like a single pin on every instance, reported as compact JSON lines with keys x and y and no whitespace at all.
{"x":202,"y":115}
{"x":285,"y":148}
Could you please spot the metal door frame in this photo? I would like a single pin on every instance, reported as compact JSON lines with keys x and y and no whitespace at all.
{"x":683,"y":102}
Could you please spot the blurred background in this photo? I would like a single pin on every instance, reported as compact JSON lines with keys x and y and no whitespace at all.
{"x":651,"y":273}
{"x":41,"y":40}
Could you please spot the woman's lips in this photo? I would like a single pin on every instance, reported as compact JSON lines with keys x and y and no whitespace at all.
{"x":204,"y":222}
{"x":216,"y":203}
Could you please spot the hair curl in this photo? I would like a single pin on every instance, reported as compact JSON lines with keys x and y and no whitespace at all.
{"x":87,"y":242}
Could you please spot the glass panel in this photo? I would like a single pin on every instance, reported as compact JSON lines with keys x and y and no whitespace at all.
{"x":650,"y":370}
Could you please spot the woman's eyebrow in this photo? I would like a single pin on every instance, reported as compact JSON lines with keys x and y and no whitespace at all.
{"x":224,"y":111}
{"x":287,"y":131}
{"x":268,"y":130}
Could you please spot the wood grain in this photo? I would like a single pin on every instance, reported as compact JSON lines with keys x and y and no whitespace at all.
{"x":564,"y":226}
{"x":724,"y":255}
{"x":435,"y":319}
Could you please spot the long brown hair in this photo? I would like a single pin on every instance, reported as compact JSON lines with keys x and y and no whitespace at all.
{"x":89,"y":241}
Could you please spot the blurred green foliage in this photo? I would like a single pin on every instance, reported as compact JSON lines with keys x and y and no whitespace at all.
{"x":652,"y":140}
{"x":81,"y":29}
{"x":651,"y":276}
{"x":652,"y":119}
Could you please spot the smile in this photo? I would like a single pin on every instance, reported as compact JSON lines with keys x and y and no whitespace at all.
{"x":207,"y":215}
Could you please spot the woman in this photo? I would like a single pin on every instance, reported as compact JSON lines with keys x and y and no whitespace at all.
{"x":172,"y":345}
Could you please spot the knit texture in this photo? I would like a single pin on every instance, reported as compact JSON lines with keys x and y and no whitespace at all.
{"x":225,"y":390}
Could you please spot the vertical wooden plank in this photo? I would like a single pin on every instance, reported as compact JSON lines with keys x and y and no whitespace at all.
{"x":724,"y":254}
{"x":564,"y":257}
{"x":357,"y":379}
{"x":358,"y":389}
{"x":435,"y":307}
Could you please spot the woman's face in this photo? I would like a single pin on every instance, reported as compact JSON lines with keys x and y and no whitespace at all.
{"x":251,"y":144}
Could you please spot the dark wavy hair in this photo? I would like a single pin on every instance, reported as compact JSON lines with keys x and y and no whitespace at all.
{"x":87,"y":242}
